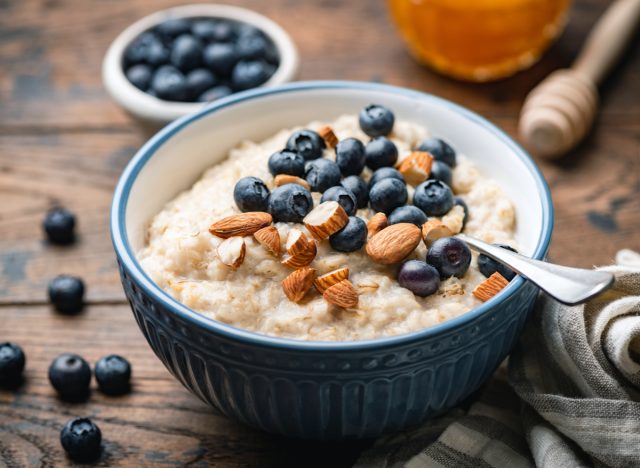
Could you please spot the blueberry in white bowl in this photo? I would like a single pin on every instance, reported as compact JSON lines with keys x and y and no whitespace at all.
{"x":345,"y":198}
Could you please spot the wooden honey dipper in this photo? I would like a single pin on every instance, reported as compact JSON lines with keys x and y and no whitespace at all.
{"x":557,"y":113}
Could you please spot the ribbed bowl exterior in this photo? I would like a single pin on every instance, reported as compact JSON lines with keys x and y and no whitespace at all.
{"x":321,"y":394}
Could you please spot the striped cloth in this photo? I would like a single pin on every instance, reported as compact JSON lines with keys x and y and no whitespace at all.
{"x":568,"y":397}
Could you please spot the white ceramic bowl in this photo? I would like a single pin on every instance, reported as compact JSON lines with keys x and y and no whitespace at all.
{"x":157,"y":112}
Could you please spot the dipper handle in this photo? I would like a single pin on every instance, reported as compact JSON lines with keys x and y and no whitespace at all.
{"x":557,"y":113}
{"x":606,"y":42}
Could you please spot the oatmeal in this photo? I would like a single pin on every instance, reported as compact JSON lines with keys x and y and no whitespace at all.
{"x":183,"y":257}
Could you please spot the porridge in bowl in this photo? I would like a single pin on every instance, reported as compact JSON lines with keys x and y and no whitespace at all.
{"x":348,"y":233}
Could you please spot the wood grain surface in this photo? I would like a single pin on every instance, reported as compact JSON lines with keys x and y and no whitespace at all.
{"x":62,"y":141}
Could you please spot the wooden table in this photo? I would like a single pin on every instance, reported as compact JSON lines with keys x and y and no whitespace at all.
{"x":62,"y":141}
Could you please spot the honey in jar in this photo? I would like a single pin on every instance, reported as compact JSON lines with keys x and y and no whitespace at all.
{"x":479,"y":40}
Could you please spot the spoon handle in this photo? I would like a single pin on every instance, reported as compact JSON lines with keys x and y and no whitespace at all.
{"x":568,"y":285}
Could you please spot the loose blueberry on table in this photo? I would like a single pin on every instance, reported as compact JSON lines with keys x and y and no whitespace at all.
{"x":12,"y":362}
{"x":345,"y":189}
{"x":66,"y":293}
{"x":59,"y":225}
{"x":70,"y":375}
{"x":199,"y":59}
{"x":113,"y":374}
{"x":81,"y":439}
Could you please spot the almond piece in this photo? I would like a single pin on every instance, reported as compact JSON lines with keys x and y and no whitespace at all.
{"x":325,"y":219}
{"x":342,"y":294}
{"x":231,"y":251}
{"x":269,"y":238}
{"x":490,"y":287}
{"x":393,"y":243}
{"x":243,"y":224}
{"x":377,"y":223}
{"x":296,"y":285}
{"x":300,"y":248}
{"x":454,"y":219}
{"x":329,"y":279}
{"x":282,"y":179}
{"x":416,"y":167}
{"x":328,"y":136}
{"x":434,"y":229}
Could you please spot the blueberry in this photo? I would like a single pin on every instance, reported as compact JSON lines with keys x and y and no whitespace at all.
{"x":381,"y":152}
{"x":186,"y":53}
{"x":489,"y":266}
{"x":220,"y":58}
{"x":440,"y":171}
{"x":12,"y":362}
{"x":440,"y":150}
{"x":146,"y":48}
{"x":140,"y":76}
{"x":251,"y":74}
{"x":290,"y":203}
{"x":217,"y":92}
{"x":376,"y":120}
{"x":408,"y":214}
{"x":198,"y":81}
{"x":286,"y":162}
{"x":321,"y":174}
{"x":387,"y":195}
{"x":59,"y":224}
{"x":350,"y":156}
{"x":251,"y":194}
{"x":385,"y":173}
{"x":450,"y":256}
{"x":173,"y":28}
{"x":434,"y":197}
{"x":169,"y":83}
{"x":113,"y":374}
{"x":419,"y":277}
{"x":359,"y":188}
{"x":66,"y":293}
{"x":223,"y":32}
{"x":308,"y":143}
{"x":81,"y":439}
{"x":351,"y":237}
{"x":460,"y":202}
{"x":252,"y":46}
{"x":343,"y":196}
{"x":204,"y":29}
{"x":70,"y":375}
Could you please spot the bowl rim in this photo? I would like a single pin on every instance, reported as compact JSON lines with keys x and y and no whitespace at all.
{"x":151,"y":108}
{"x":129,"y":261}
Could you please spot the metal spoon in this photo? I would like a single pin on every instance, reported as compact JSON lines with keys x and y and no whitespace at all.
{"x":568,"y":285}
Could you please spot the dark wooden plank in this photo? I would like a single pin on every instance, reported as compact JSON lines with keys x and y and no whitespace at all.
{"x":51,"y":52}
{"x":160,"y":422}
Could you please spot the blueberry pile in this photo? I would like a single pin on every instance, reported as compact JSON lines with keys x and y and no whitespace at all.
{"x":199,"y":59}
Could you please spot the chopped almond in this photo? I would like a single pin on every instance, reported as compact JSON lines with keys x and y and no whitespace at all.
{"x":490,"y":287}
{"x":231,"y":251}
{"x":342,"y":294}
{"x":296,"y":285}
{"x":377,"y":223}
{"x":269,"y":238}
{"x":325,"y":219}
{"x":283,"y":179}
{"x":433,"y":230}
{"x":329,"y":279}
{"x":416,"y":167}
{"x":328,"y":136}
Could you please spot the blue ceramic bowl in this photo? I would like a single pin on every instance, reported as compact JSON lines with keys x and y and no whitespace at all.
{"x":323,"y":390}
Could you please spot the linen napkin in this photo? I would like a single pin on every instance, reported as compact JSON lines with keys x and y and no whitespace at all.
{"x":571,"y":397}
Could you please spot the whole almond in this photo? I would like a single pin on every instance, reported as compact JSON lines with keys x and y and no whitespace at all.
{"x":231,"y":251}
{"x":243,"y":224}
{"x":296,"y":285}
{"x":377,"y":223}
{"x":393,"y":243}
{"x":416,"y":167}
{"x":433,"y":230}
{"x":328,"y":136}
{"x":325,"y":219}
{"x":342,"y":294}
{"x":269,"y":238}
{"x":283,"y":179}
{"x":329,"y":279}
{"x":490,"y":287}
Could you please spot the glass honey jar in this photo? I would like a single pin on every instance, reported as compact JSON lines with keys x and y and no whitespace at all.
{"x":479,"y":40}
